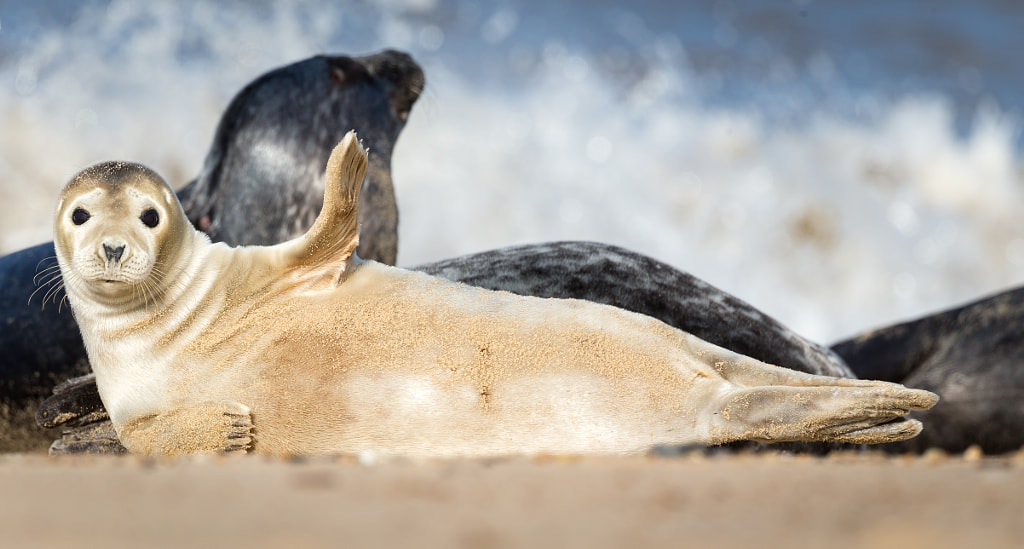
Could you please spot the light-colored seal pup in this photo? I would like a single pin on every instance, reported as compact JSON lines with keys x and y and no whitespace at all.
{"x":303,"y":348}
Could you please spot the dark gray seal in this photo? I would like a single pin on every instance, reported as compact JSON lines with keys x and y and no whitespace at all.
{"x":262,"y":177}
{"x":972,"y":356}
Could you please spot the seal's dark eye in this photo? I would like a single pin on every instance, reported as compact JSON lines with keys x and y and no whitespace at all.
{"x":79,"y":216}
{"x":150,"y":218}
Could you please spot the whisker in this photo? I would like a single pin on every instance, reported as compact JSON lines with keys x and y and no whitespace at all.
{"x":139,"y":293}
{"x":44,"y":272}
{"x":51,"y":294}
{"x":41,"y":261}
{"x":72,"y":279}
{"x":178,"y":282}
{"x":41,"y":286}
{"x":147,"y":293}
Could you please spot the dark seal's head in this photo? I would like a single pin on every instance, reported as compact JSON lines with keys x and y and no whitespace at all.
{"x":262,"y":182}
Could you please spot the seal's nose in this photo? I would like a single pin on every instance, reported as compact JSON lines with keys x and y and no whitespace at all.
{"x":113,"y":254}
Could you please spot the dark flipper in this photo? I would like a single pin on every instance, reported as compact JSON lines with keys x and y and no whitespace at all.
{"x":74,"y":400}
{"x":92,"y":438}
{"x":76,"y":406}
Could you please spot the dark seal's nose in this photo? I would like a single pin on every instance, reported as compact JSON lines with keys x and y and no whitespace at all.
{"x":113,"y":254}
{"x":398,"y":68}
{"x":407,"y":76}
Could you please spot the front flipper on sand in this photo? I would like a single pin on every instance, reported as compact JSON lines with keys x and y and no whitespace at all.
{"x":204,"y":427}
{"x":766,"y":403}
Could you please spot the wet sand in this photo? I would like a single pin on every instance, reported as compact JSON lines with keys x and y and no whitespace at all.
{"x":845,"y":500}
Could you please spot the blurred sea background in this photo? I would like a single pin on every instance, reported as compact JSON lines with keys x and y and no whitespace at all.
{"x":840,"y":165}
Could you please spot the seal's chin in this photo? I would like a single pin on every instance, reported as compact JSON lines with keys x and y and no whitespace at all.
{"x":109,"y":287}
{"x":109,"y":283}
{"x":108,"y":279}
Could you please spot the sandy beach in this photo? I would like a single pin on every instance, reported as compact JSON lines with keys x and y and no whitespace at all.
{"x":696,"y":500}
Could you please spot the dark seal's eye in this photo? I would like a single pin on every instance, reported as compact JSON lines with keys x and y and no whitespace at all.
{"x":150,"y":218}
{"x":79,"y":216}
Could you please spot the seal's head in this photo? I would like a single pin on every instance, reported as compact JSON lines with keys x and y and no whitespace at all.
{"x":118,"y":231}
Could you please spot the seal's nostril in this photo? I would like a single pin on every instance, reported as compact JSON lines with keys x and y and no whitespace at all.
{"x":113,"y":254}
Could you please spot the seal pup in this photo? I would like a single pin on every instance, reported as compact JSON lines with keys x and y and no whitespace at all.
{"x":264,"y":153}
{"x":971,"y":355}
{"x":196,"y":344}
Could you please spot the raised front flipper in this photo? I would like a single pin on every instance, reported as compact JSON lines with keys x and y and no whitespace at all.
{"x":331,"y":241}
{"x":771,"y":404}
{"x":207,"y":427}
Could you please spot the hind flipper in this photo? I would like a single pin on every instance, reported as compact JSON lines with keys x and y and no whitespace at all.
{"x":771,"y":404}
